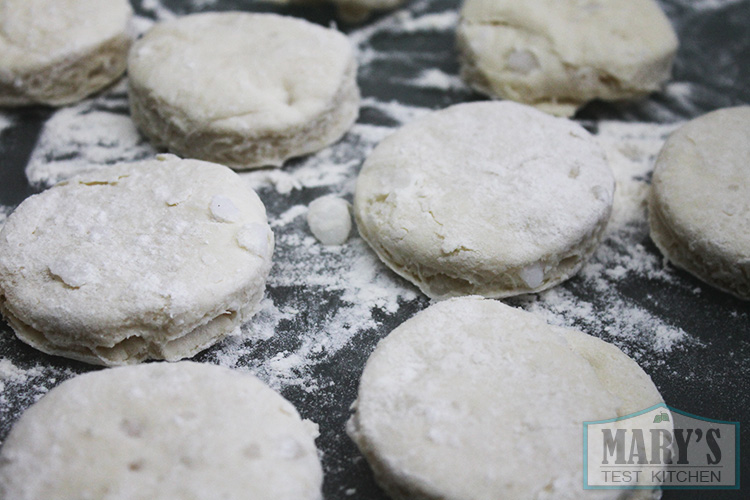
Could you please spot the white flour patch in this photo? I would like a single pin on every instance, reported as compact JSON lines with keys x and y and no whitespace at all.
{"x":709,"y":4}
{"x":436,"y":79}
{"x":5,"y":122}
{"x":406,"y":22}
{"x":396,"y":111}
{"x":89,"y":135}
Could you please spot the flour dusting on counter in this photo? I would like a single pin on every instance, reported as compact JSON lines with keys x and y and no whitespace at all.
{"x":5,"y":122}
{"x":325,"y":308}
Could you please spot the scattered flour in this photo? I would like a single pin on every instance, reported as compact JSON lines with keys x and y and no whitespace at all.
{"x":708,"y":4}
{"x":436,"y":79}
{"x":346,"y":286}
{"x":322,"y":300}
{"x":5,"y":122}
{"x":92,"y":134}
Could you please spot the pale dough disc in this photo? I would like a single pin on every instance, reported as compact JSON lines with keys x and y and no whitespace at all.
{"x":161,"y":431}
{"x":699,"y":209}
{"x":244,"y":90}
{"x":559,"y":54}
{"x":155,"y":259}
{"x":488,"y":198}
{"x":475,"y":400}
{"x":57,"y":52}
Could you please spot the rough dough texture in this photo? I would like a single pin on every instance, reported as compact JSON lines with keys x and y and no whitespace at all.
{"x":57,"y":52}
{"x":243,"y":90}
{"x":559,"y":54}
{"x":475,"y":400}
{"x":488,"y":198}
{"x":157,"y":259}
{"x":161,"y":431}
{"x":699,"y":209}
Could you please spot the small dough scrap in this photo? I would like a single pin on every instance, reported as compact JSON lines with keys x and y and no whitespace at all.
{"x":161,"y":431}
{"x":488,"y":198}
{"x":559,"y":54}
{"x":474,"y":400}
{"x":57,"y":52}
{"x":244,"y":90}
{"x":101,"y":269}
{"x":330,"y":220}
{"x":699,"y":209}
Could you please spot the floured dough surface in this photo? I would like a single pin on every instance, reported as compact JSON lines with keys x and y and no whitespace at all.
{"x":488,"y":198}
{"x":699,"y":209}
{"x":155,"y":259}
{"x":558,"y":55}
{"x":473,"y":399}
{"x":244,"y":90}
{"x":161,"y":431}
{"x":59,"y":51}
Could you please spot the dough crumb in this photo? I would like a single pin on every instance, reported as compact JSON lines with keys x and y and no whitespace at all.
{"x":253,"y":237}
{"x":74,"y":274}
{"x":329,"y":220}
{"x":223,"y":209}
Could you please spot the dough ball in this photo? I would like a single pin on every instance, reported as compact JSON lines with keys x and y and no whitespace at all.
{"x":559,"y":54}
{"x":699,"y":209}
{"x":487,"y":198}
{"x":475,"y":400}
{"x":57,"y":52}
{"x":161,"y":431}
{"x":157,"y":259}
{"x":329,"y":220}
{"x":243,"y":90}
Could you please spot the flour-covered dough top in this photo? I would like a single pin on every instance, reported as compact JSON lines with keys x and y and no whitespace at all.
{"x":497,"y":182}
{"x":161,"y":431}
{"x":36,"y":33}
{"x":473,"y":399}
{"x":239,"y":71}
{"x":151,"y":249}
{"x":619,"y":36}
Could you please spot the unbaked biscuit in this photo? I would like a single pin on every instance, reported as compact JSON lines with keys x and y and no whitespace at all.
{"x":161,"y":431}
{"x":157,"y":259}
{"x":559,"y":54}
{"x":57,"y":52}
{"x":244,"y":90}
{"x":488,"y":198}
{"x":699,"y":210}
{"x":475,"y":400}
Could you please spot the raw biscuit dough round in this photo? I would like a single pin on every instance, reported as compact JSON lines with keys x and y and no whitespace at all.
{"x":161,"y":431}
{"x":699,"y":210}
{"x":487,"y":198}
{"x":475,"y":400}
{"x":157,"y":259}
{"x":559,"y":54}
{"x":244,"y":90}
{"x":57,"y":52}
